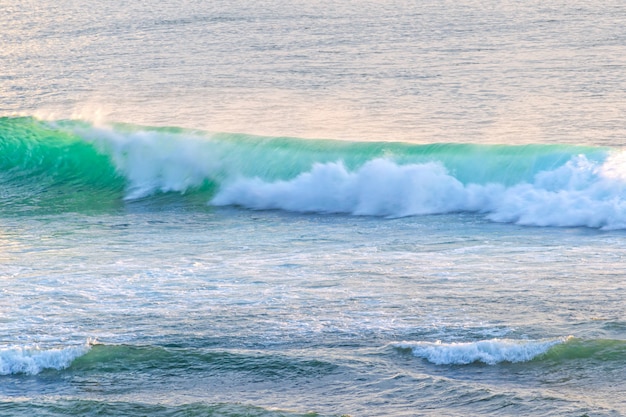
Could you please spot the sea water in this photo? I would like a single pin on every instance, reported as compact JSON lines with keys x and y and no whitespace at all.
{"x":324,"y":208}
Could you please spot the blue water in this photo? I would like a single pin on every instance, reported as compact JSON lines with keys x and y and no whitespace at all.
{"x":364,"y":209}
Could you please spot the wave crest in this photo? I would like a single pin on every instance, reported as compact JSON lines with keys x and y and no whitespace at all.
{"x":490,"y":352}
{"x":31,"y":360}
{"x":578,"y":193}
{"x":380,"y":188}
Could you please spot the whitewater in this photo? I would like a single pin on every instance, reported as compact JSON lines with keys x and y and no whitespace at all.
{"x":312,"y":209}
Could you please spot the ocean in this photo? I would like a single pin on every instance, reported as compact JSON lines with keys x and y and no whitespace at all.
{"x":353,"y":208}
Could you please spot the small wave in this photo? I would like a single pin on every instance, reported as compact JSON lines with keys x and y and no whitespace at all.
{"x":491,"y":352}
{"x":118,"y":358}
{"x":31,"y":360}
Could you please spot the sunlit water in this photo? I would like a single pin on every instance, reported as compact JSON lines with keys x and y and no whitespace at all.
{"x":458,"y":71}
{"x":175,"y":272}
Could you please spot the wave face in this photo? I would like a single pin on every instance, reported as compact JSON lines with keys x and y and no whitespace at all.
{"x":121,"y":358}
{"x":43,"y":166}
{"x":75,"y":166}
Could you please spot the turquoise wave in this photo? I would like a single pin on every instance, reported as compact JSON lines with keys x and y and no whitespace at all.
{"x":60,"y":166}
{"x":44,"y":167}
{"x":111,"y":156}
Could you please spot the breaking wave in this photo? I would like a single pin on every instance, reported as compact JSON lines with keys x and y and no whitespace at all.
{"x":490,"y":352}
{"x":73,"y":166}
{"x":32,"y":360}
{"x":495,"y":351}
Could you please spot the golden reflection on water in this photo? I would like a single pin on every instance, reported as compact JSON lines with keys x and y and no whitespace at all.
{"x":428,"y":72}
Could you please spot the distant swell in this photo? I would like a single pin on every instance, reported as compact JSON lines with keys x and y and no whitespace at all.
{"x":32,"y":360}
{"x":76,"y":166}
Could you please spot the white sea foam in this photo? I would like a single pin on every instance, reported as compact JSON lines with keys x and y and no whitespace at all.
{"x":32,"y":359}
{"x":579,"y":193}
{"x":380,"y":188}
{"x":491,"y":351}
{"x":159,"y":161}
{"x":582,"y":192}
